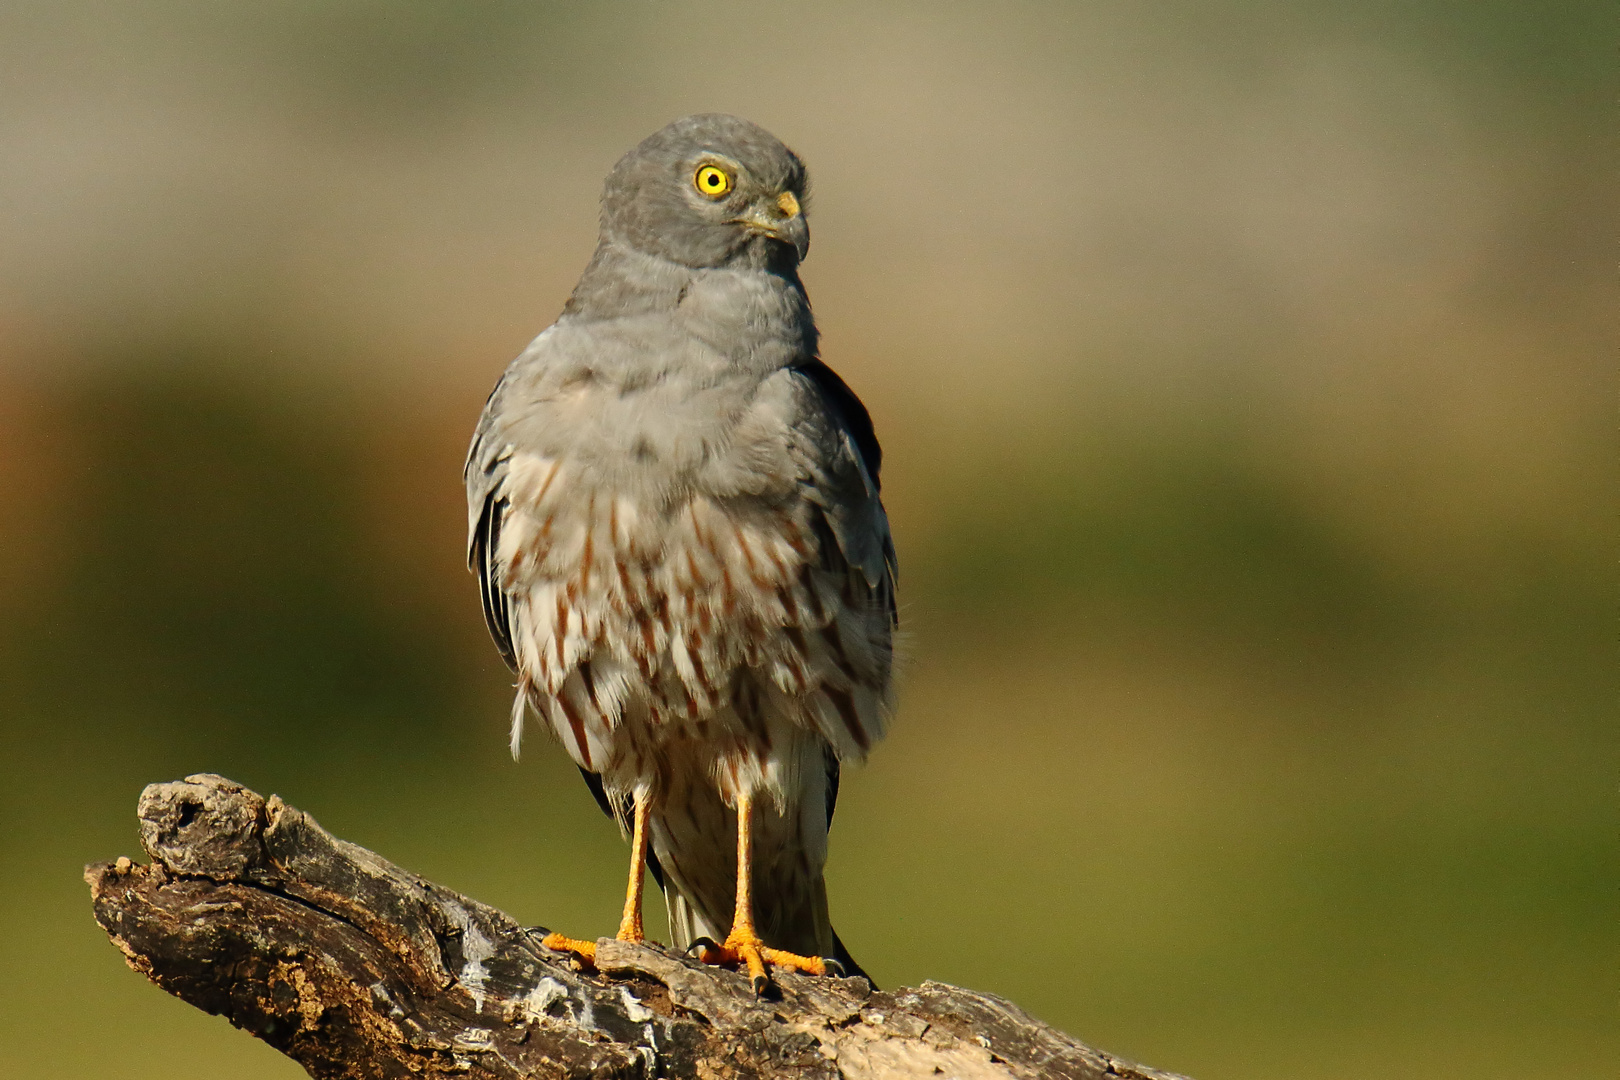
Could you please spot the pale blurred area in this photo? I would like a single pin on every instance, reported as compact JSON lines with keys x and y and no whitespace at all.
{"x":1244,"y":376}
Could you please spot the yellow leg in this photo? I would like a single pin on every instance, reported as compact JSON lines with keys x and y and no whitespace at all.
{"x":743,"y":944}
{"x":630,"y":922}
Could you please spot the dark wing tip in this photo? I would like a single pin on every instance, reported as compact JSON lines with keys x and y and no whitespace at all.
{"x":847,"y":962}
{"x":833,"y":770}
{"x":599,"y":793}
{"x":486,"y":539}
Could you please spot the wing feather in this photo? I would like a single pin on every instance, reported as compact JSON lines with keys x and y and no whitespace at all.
{"x":485,"y":475}
{"x":856,"y":567}
{"x":851,"y":413}
{"x":848,"y":487}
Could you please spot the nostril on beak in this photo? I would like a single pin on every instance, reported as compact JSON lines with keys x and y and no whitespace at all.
{"x":788,"y":203}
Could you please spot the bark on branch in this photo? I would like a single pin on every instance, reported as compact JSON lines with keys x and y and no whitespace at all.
{"x":354,"y":967}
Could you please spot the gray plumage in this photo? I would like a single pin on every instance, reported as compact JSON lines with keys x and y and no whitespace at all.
{"x":674,"y":515}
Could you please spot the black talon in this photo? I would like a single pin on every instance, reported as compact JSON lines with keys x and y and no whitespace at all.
{"x":760,"y":982}
{"x":701,"y":943}
{"x":829,"y":966}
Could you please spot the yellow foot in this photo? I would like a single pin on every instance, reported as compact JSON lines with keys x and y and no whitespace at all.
{"x":752,"y":953}
{"x":584,"y":951}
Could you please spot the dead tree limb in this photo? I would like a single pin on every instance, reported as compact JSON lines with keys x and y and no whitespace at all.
{"x":356,"y":968}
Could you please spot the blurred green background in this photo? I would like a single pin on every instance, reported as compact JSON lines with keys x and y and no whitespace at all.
{"x":1242,"y":370}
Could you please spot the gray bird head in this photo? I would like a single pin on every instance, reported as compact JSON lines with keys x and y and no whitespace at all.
{"x":708,"y":191}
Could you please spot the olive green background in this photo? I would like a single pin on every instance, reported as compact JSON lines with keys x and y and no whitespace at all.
{"x":1242,"y":371}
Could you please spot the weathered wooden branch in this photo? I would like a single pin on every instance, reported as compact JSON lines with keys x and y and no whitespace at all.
{"x":356,"y":968}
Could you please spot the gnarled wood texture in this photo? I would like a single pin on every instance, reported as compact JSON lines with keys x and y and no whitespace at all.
{"x":356,"y":968}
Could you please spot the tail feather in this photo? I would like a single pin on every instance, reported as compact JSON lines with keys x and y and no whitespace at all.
{"x":686,"y":922}
{"x":692,"y":837}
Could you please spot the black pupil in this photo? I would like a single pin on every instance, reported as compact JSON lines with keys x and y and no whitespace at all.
{"x":712,"y":179}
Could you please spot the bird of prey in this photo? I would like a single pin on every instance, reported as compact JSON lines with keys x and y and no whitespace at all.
{"x":674,"y":519}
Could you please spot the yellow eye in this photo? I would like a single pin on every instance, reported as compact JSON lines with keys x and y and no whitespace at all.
{"x":711,"y":181}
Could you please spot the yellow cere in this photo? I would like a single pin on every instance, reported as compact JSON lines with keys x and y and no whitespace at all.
{"x":788,"y":204}
{"x":711,"y":181}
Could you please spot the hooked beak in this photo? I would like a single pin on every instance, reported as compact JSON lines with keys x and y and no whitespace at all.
{"x":781,"y":220}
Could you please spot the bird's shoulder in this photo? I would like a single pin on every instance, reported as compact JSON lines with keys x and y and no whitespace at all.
{"x":841,"y":415}
{"x":841,"y":474}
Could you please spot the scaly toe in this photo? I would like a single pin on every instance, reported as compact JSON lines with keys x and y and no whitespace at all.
{"x":584,"y":951}
{"x":754,"y":955}
{"x":804,"y":965}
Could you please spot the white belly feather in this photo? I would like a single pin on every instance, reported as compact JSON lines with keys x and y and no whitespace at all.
{"x":694,"y":618}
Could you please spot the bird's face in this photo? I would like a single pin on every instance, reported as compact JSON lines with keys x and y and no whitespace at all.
{"x":709,"y":191}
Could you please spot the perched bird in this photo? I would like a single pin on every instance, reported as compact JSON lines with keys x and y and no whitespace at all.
{"x":674,"y":519}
